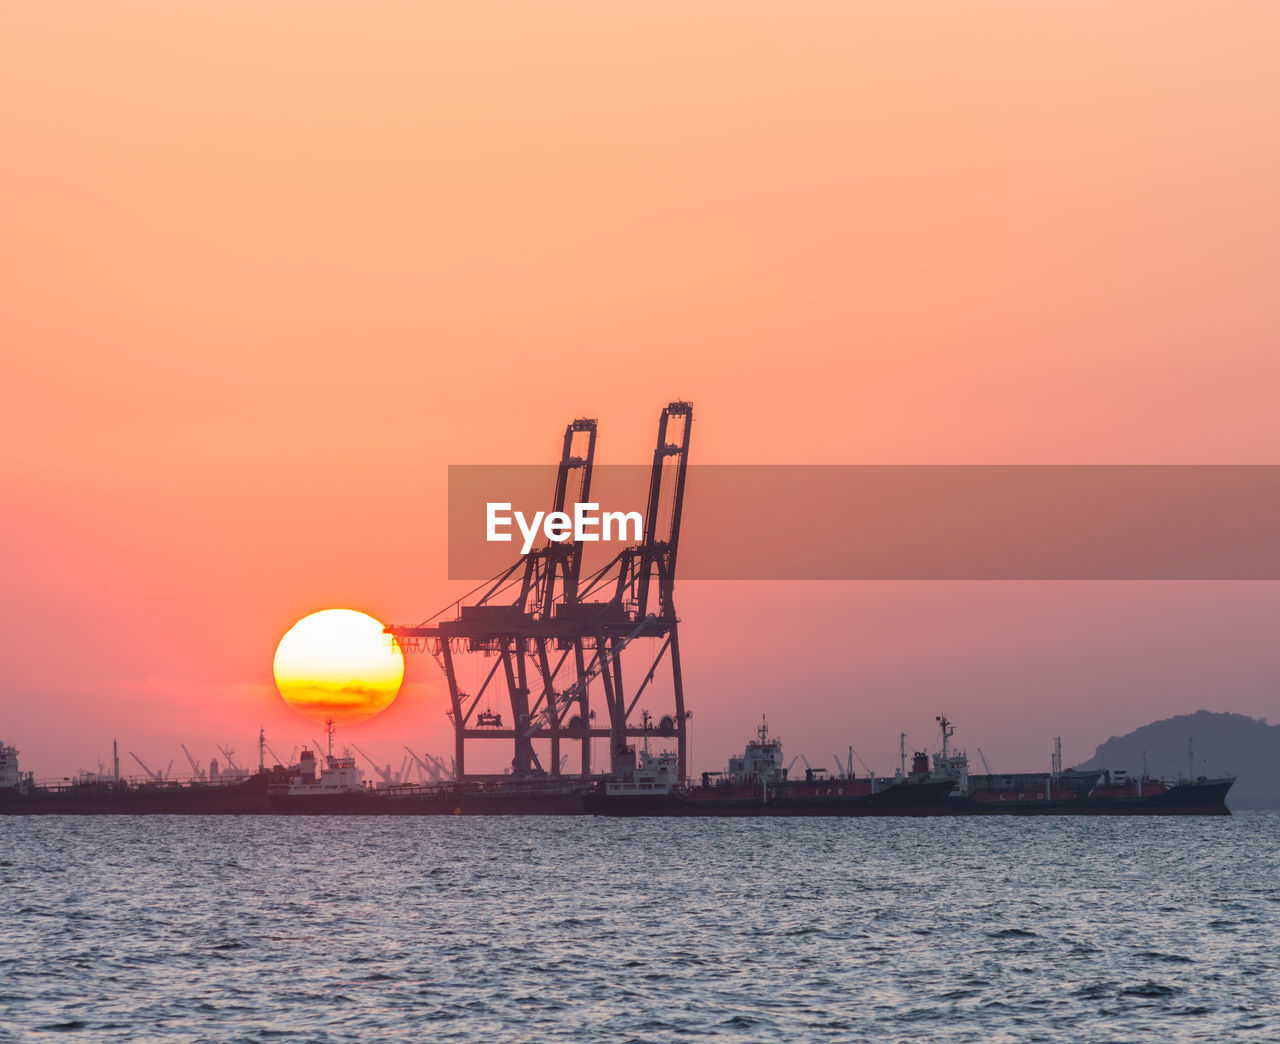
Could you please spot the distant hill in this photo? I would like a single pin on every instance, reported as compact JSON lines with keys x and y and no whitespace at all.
{"x":1223,"y":744}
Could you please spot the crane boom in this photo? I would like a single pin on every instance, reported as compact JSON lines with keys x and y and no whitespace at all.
{"x":435,"y":767}
{"x":422,"y":765}
{"x":146,"y":768}
{"x":424,"y":773}
{"x":383,"y":774}
{"x":195,"y":766}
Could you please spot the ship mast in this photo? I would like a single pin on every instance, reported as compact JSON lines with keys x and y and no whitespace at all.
{"x":947,"y":730}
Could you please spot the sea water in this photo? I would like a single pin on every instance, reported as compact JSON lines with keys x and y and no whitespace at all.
{"x":583,"y":929}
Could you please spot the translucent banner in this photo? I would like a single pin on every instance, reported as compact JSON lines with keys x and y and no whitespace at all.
{"x":890,"y":522}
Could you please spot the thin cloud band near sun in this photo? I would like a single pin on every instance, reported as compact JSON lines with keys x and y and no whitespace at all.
{"x":337,"y":664}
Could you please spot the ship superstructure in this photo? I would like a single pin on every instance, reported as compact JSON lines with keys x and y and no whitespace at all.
{"x":339,"y":775}
{"x":761,"y":760}
{"x":950,"y":763}
{"x":651,"y":774}
{"x":10,"y":777}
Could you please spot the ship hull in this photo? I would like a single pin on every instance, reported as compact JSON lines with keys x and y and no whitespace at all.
{"x":453,"y":801}
{"x":1187,"y":799}
{"x":910,"y":799}
{"x":248,"y":797}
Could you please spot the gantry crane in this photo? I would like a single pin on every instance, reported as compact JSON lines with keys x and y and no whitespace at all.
{"x":553,"y":632}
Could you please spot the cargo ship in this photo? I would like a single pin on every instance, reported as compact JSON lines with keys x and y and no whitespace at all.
{"x":1058,"y":792}
{"x":757,"y":784}
{"x":231,"y":793}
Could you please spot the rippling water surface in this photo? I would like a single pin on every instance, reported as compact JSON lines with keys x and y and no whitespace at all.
{"x":506,"y":929}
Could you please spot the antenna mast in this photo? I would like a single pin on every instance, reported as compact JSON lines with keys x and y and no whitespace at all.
{"x":947,"y":731}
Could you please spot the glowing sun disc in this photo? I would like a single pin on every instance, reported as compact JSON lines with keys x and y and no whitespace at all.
{"x":336,"y":664}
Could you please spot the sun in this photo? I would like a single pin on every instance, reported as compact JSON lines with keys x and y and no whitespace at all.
{"x":336,"y":664}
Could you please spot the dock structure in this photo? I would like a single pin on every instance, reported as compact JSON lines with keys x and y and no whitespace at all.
{"x":558,"y":640}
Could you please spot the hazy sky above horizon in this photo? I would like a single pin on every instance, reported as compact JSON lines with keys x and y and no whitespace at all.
{"x":269,"y":268}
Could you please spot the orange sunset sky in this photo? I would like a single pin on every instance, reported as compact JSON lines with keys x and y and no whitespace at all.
{"x":268,"y":268}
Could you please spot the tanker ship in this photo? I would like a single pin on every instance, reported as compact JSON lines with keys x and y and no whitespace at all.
{"x":230,"y":792}
{"x":1084,"y":792}
{"x":333,"y":785}
{"x":757,"y":784}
